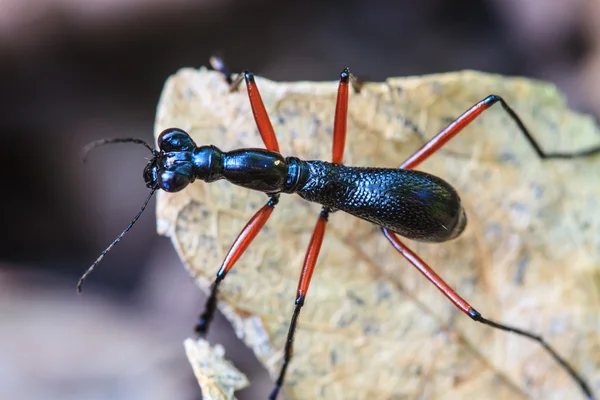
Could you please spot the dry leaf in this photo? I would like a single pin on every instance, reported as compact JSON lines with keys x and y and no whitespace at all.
{"x":373,"y":327}
{"x":217,"y":377}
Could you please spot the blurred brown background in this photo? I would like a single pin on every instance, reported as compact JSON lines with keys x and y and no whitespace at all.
{"x":73,"y":71}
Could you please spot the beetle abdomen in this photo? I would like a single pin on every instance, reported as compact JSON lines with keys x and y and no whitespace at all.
{"x":411,"y":203}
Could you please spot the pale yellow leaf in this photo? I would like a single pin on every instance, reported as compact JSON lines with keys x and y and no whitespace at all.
{"x":372,"y":326}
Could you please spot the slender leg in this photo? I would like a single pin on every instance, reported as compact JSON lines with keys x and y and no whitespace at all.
{"x":428,"y":272}
{"x":465,"y":307}
{"x":421,"y":155}
{"x":310,"y":260}
{"x":341,"y":118}
{"x":240,"y":245}
{"x":455,"y":127}
{"x":257,"y":222}
{"x":314,"y":247}
{"x":258,"y":110}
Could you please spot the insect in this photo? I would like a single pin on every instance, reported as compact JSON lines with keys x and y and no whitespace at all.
{"x":414,"y":204}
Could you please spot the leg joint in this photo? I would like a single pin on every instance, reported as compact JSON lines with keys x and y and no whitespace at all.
{"x":475,"y":315}
{"x":492,"y":99}
{"x":249,"y":76}
{"x":274,"y":200}
{"x":345,"y":75}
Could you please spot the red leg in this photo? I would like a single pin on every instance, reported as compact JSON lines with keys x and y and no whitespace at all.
{"x":258,"y":109}
{"x":475,"y":315}
{"x":310,"y":260}
{"x":341,"y":115}
{"x":259,"y":219}
{"x":341,"y":118}
{"x":455,"y":127}
{"x":314,"y":246}
{"x":421,"y":155}
{"x":240,"y":245}
{"x":428,"y":272}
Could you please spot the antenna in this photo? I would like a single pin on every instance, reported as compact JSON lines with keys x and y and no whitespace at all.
{"x":133,"y":221}
{"x":102,"y":142}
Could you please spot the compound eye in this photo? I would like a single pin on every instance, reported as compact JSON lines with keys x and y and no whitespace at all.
{"x":173,"y":182}
{"x":150,"y":175}
{"x":175,"y":139}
